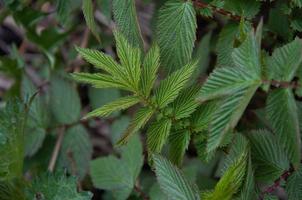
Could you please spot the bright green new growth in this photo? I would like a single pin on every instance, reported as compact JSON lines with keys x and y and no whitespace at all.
{"x":137,"y":76}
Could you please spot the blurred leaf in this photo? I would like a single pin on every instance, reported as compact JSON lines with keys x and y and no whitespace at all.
{"x":294,"y":185}
{"x":118,"y":175}
{"x":118,"y":127}
{"x":64,"y":101}
{"x":63,"y":10}
{"x":89,"y":17}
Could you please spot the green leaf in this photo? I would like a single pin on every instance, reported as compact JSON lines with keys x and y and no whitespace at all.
{"x":65,"y":101}
{"x":12,"y":119}
{"x":178,"y":144}
{"x":227,"y":116}
{"x":119,"y":175}
{"x":150,"y":67}
{"x":297,"y":3}
{"x":185,"y":103}
{"x":248,"y":8}
{"x":157,"y":135}
{"x":127,"y":23}
{"x":247,"y":56}
{"x":268,"y":156}
{"x":120,"y":104}
{"x":34,"y":140}
{"x":285,"y":61}
{"x":89,"y":17}
{"x":118,"y":127}
{"x":56,"y":186}
{"x":231,"y":181}
{"x":281,"y":111}
{"x":100,"y":80}
{"x":76,"y":151}
{"x":225,"y":81}
{"x":102,"y":61}
{"x":225,"y":45}
{"x":176,"y":33}
{"x":294,"y":185}
{"x":63,"y":10}
{"x":138,"y":122}
{"x":130,"y":58}
{"x":172,"y":181}
{"x":169,"y":88}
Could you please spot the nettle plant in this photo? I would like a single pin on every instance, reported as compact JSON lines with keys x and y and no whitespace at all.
{"x":177,"y":110}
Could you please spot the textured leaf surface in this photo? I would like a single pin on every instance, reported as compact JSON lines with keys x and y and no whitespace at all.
{"x":225,"y":81}
{"x":268,"y":156}
{"x":138,"y":122}
{"x":56,"y":187}
{"x":227,"y":116}
{"x":172,"y":181}
{"x":117,"y":105}
{"x":89,"y":17}
{"x":127,"y":23}
{"x":169,"y":88}
{"x":178,"y":144}
{"x":285,"y":61}
{"x":281,"y":111}
{"x":176,"y":33}
{"x":294,"y":185}
{"x":157,"y":135}
{"x":150,"y":67}
{"x":231,"y":181}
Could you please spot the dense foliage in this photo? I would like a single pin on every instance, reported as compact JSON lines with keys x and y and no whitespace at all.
{"x":150,"y":99}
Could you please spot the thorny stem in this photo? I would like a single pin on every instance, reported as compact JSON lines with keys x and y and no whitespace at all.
{"x":200,"y":4}
{"x":277,"y":182}
{"x":140,"y":192}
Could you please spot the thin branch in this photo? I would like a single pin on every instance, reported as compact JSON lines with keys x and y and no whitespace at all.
{"x":215,"y":9}
{"x":56,"y":150}
{"x":282,"y":84}
{"x":141,"y":192}
{"x":277,"y":182}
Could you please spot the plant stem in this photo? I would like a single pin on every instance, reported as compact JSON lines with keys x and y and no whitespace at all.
{"x":282,"y":84}
{"x":226,"y":13}
{"x":56,"y":150}
{"x":140,"y":192}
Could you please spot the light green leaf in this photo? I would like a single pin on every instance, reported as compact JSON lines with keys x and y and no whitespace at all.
{"x":157,"y":135}
{"x":285,"y":61}
{"x":56,"y":187}
{"x":76,"y":151}
{"x":231,"y":181}
{"x":150,"y":67}
{"x":185,"y":103}
{"x":169,"y":88}
{"x":127,"y":23}
{"x":102,"y":61}
{"x":100,"y":80}
{"x":227,"y":116}
{"x":281,"y":111}
{"x":130,"y":58}
{"x":87,"y":7}
{"x":172,"y":181}
{"x":65,"y":101}
{"x":138,"y":122}
{"x":119,"y":104}
{"x":268,"y":156}
{"x":225,"y":81}
{"x":176,"y":33}
{"x":178,"y":144}
{"x":294,"y":185}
